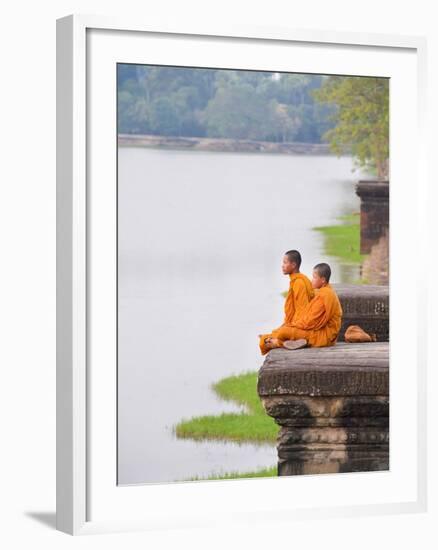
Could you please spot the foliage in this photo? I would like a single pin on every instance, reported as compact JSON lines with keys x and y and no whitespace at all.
{"x":195,"y":102}
{"x":361,"y":119}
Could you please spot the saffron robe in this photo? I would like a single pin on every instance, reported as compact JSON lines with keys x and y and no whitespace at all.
{"x":298,"y":297}
{"x":319,"y":323}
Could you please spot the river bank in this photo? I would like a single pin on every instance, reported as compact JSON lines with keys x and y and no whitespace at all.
{"x":222,"y":145}
{"x":343,"y":242}
{"x":265,"y":472}
{"x":252,"y":425}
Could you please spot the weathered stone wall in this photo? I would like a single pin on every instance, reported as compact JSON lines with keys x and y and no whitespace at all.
{"x":366,"y":306}
{"x":332,"y":405}
{"x":375,"y":268}
{"x":374,"y":212}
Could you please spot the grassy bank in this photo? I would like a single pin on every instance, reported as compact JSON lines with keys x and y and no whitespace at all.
{"x":343,"y":240}
{"x":252,"y":425}
{"x":265,"y":472}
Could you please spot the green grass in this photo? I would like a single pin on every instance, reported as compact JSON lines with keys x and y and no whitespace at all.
{"x":343,"y":240}
{"x":253,"y":425}
{"x":265,"y":472}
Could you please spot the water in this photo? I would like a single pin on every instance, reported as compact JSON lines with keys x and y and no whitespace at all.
{"x":201,"y":240}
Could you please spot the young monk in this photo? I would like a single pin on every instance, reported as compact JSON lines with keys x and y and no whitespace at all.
{"x":319,"y":323}
{"x":299,"y":295}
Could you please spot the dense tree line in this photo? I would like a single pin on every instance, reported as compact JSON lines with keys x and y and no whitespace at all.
{"x":178,"y":101}
{"x":351,"y":113}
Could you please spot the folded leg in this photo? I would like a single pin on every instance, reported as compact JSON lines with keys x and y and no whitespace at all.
{"x":291,"y":333}
{"x":263,"y":344}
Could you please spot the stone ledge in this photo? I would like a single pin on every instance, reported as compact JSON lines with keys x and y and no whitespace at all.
{"x":372,"y":188}
{"x":332,"y":406}
{"x":358,"y":291}
{"x":343,"y":369}
{"x":366,"y":306}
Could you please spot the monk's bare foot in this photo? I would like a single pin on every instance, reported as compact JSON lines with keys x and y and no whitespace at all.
{"x":295,"y":344}
{"x":272,"y":343}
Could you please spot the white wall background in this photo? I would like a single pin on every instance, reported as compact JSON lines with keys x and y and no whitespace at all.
{"x":27,"y":273}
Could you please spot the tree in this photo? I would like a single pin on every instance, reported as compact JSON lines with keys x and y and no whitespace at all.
{"x":361,"y":117}
{"x":237,"y":112}
{"x":284,"y":122}
{"x":163,"y":117}
{"x":258,"y":105}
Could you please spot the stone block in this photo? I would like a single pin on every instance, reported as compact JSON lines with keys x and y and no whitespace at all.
{"x":332,"y":406}
{"x":366,"y":306}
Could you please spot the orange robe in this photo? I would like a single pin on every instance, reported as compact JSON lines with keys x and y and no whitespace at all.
{"x":298,"y":297}
{"x":319,"y":323}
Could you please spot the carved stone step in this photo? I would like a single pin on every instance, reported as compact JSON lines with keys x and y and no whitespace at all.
{"x":332,"y":405}
{"x":366,"y":306}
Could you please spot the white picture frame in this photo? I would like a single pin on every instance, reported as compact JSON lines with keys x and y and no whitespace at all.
{"x":87,"y":500}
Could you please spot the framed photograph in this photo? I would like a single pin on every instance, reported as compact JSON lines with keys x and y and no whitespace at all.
{"x":239,"y":211}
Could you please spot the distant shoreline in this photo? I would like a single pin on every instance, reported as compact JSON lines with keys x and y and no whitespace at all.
{"x":224,"y":145}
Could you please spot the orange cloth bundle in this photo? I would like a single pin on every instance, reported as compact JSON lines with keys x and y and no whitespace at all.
{"x":354,"y":334}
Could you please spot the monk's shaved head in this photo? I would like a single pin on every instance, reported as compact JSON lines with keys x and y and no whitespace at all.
{"x":323,"y":270}
{"x":294,"y":257}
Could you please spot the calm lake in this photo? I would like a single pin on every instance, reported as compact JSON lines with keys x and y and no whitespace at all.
{"x":201,"y":241}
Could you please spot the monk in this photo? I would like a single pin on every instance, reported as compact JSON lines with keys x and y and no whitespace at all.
{"x":318,"y":325}
{"x":299,"y":295}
